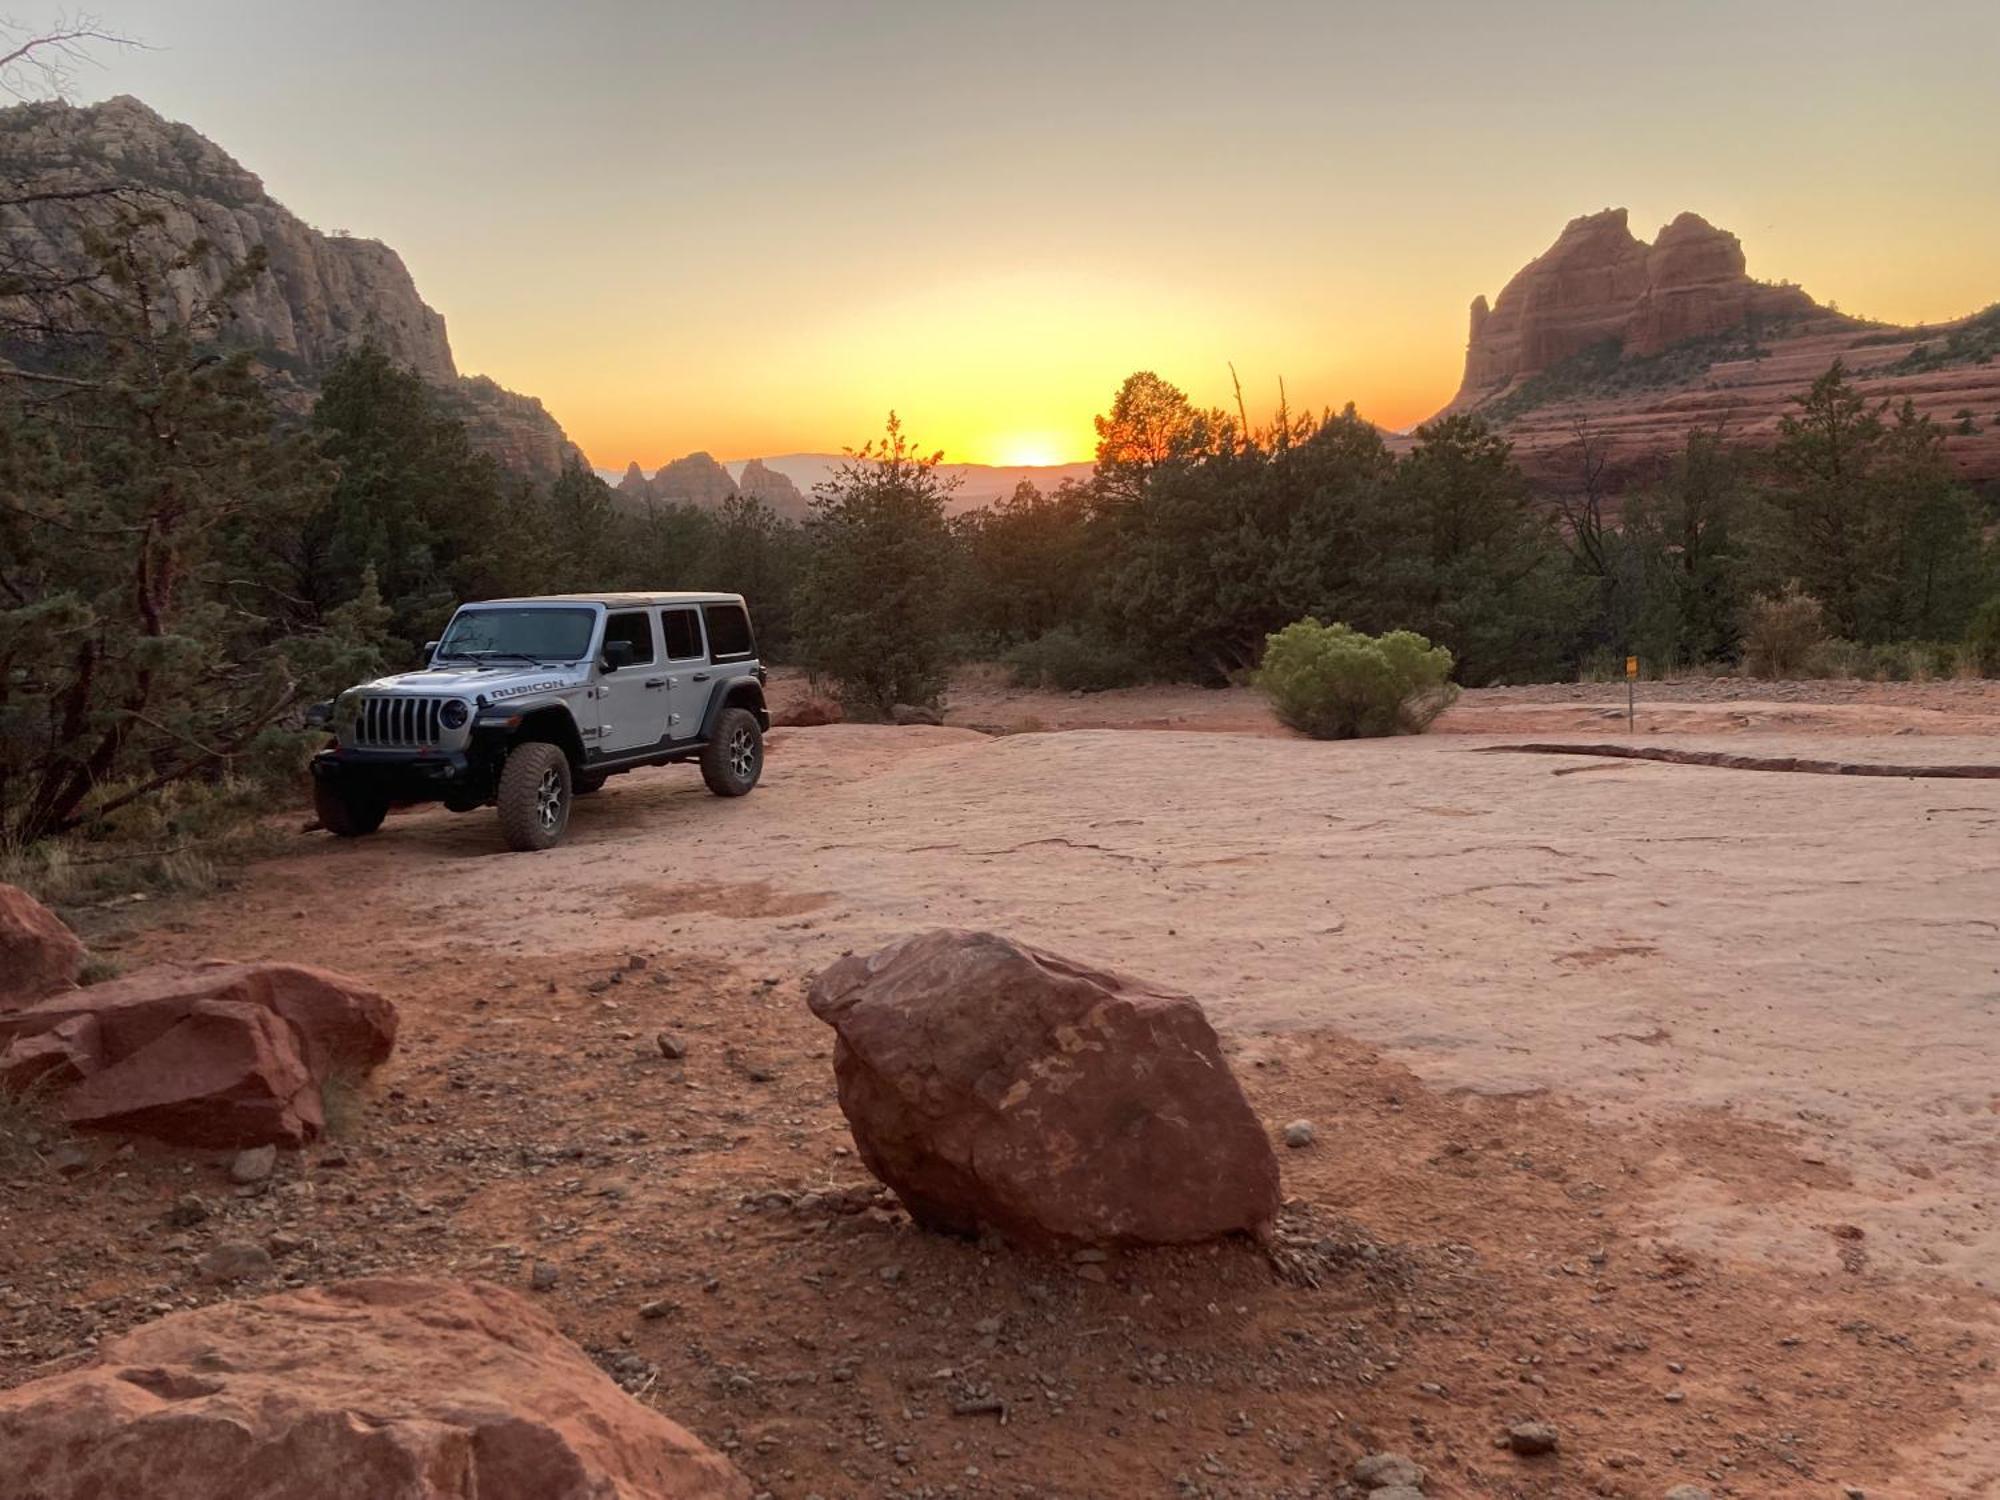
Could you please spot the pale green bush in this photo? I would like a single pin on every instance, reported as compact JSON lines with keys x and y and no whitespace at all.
{"x":1782,"y":634}
{"x":1335,"y":683}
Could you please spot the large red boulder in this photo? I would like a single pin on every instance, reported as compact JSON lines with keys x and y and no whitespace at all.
{"x":997,"y":1087}
{"x":212,"y":1054}
{"x":37,"y":953}
{"x":409,"y":1389}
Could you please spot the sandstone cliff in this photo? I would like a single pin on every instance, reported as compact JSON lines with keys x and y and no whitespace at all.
{"x":1642,"y":343}
{"x":695,"y":480}
{"x":323,"y":294}
{"x":635,"y":486}
{"x":763,"y":483}
{"x":1600,"y":283}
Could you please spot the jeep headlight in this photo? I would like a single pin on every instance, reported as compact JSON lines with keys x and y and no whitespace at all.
{"x":454,"y":714}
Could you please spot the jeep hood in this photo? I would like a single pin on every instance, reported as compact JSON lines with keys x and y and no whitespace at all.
{"x":466,"y":680}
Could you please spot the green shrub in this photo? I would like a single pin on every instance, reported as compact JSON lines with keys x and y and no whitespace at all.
{"x":1894,"y":662}
{"x":1782,"y":633}
{"x":1071,"y":659}
{"x":1835,"y":658}
{"x":1335,"y":683}
{"x":1982,"y":638}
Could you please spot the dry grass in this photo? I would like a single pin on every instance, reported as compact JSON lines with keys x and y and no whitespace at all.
{"x":28,"y":1128}
{"x":343,"y":1101}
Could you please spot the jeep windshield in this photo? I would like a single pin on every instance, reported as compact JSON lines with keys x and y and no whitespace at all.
{"x":525,"y":634}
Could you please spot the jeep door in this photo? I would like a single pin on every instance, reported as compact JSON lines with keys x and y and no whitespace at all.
{"x":631,"y":701}
{"x":687,"y":681}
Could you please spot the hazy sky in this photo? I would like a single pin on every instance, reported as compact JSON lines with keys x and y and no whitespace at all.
{"x":754,"y":227}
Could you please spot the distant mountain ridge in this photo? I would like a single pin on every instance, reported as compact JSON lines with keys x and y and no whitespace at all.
{"x":323,"y":294}
{"x":785,"y":483}
{"x":1642,"y":343}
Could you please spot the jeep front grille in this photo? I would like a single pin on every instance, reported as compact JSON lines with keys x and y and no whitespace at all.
{"x":398,"y":723}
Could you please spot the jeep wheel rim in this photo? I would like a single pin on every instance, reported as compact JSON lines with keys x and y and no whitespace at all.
{"x":548,"y":800}
{"x":742,"y":754}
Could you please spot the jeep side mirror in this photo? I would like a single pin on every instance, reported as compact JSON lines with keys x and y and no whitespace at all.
{"x":617,"y":654}
{"x":430,"y":652}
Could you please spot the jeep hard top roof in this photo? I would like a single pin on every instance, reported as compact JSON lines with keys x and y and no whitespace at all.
{"x":617,"y":600}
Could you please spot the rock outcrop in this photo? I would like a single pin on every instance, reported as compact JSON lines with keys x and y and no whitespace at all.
{"x":997,"y":1087}
{"x":404,"y":1389}
{"x":695,"y":480}
{"x":1641,"y":344}
{"x":1599,"y":283}
{"x":322,"y":295}
{"x":635,"y":487}
{"x":766,"y":485}
{"x":214,"y":1054}
{"x":514,"y":428}
{"x":38,"y":954}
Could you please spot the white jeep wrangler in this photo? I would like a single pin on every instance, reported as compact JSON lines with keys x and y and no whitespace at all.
{"x":525,"y":703}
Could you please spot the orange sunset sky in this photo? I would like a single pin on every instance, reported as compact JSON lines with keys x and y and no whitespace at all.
{"x":754,"y":227}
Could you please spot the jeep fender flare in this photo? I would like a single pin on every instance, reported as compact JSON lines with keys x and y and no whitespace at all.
{"x":551,"y":724}
{"x":738,"y":692}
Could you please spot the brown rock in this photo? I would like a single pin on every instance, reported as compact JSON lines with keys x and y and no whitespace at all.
{"x":996,"y":1086}
{"x":219,"y":1055}
{"x":38,"y":954}
{"x":773,"y":489}
{"x":635,"y":486}
{"x":393,"y":1389}
{"x":1600,"y":282}
{"x":914,"y":713}
{"x":808,"y":713}
{"x":695,"y":480}
{"x":1745,"y":349}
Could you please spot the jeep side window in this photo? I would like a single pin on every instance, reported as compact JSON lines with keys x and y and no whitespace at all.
{"x":683,"y":634}
{"x":728,"y":632}
{"x":634,"y":627}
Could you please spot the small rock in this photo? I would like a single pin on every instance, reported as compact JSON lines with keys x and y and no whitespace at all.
{"x":70,"y":1159}
{"x":1531,"y":1439}
{"x":234,"y":1260}
{"x":253,"y":1165}
{"x":1382,"y":1470}
{"x":1674,"y":1398}
{"x":658,"y":1309}
{"x":280,"y":1245}
{"x":1299,"y":1133}
{"x":1397,"y":1492}
{"x":987,"y":1327}
{"x":1093,"y":1273}
{"x":672,"y":1047}
{"x":1688,"y":1492}
{"x":188,"y":1211}
{"x":891,"y":1274}
{"x":543,"y":1277}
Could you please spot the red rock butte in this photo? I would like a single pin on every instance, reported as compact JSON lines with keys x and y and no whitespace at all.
{"x":1643,"y":343}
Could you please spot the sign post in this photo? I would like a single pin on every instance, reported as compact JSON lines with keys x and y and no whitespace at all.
{"x":1631,"y":711}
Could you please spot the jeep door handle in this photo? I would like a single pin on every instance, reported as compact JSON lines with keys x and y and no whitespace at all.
{"x":701,"y":677}
{"x":657,"y":681}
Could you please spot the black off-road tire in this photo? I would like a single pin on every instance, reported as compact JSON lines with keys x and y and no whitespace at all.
{"x":733,"y":758}
{"x":347,"y":812}
{"x":534,"y":796}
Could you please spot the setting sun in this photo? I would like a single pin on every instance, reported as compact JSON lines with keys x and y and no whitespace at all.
{"x":1032,"y":450}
